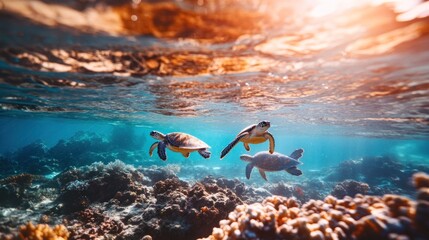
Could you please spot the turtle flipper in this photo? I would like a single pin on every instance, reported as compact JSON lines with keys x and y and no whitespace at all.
{"x":297,"y":154}
{"x":161,"y":150}
{"x":246,"y":146}
{"x":270,"y":138}
{"x":186,"y":155}
{"x":204,"y":153}
{"x":152,"y":147}
{"x":246,"y":158}
{"x":232,"y":144}
{"x":249,"y":168}
{"x":262,"y":172}
{"x":294,"y":171}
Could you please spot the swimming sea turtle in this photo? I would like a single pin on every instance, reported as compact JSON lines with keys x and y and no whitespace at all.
{"x":178,"y":142}
{"x":254,"y":134}
{"x":265,"y":161}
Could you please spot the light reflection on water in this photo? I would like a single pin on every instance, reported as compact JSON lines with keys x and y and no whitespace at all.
{"x":352,"y":63}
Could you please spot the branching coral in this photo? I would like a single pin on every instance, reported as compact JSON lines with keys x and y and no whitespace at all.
{"x":361,"y":217}
{"x":40,"y":232}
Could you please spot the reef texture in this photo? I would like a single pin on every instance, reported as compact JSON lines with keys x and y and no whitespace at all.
{"x":349,"y":188}
{"x":81,"y":149}
{"x":361,"y":217}
{"x":40,"y":231}
{"x":117,"y":201}
{"x":98,"y":197}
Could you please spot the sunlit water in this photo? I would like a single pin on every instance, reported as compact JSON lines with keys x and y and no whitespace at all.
{"x":341,"y":79}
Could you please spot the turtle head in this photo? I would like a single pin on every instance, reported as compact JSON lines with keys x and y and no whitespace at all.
{"x":157,"y":135}
{"x":263,"y":126}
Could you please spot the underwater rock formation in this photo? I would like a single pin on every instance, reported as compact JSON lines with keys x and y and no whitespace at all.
{"x":361,"y":217}
{"x":247,"y":194}
{"x":74,"y":151}
{"x":15,"y":190}
{"x":97,"y":183}
{"x":92,"y":223}
{"x":383,"y":174}
{"x":373,"y":170}
{"x":156,"y":173}
{"x":349,"y":188}
{"x":303,"y":191}
{"x":31,"y":158}
{"x":184,"y":212}
{"x":83,"y":148}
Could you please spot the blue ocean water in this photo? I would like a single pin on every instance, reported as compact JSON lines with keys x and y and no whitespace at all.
{"x":322,"y":150}
{"x":83,"y":83}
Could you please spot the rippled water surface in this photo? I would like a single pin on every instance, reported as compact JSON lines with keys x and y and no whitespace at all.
{"x":358,"y":68}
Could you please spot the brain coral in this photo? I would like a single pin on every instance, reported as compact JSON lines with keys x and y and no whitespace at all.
{"x":361,"y":217}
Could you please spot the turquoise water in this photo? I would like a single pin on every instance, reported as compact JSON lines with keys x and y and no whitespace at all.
{"x":322,"y":150}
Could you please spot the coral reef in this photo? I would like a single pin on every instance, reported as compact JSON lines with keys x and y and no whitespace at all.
{"x":40,"y":231}
{"x":98,"y":183}
{"x":349,"y":188}
{"x":247,"y":194}
{"x":184,"y":212}
{"x":71,"y":152}
{"x":14,"y":189}
{"x":421,"y":182}
{"x":81,"y":149}
{"x":116,"y":200}
{"x":31,"y":159}
{"x":156,"y":173}
{"x":383,"y":174}
{"x":303,"y":191}
{"x":361,"y":217}
{"x":92,"y":223}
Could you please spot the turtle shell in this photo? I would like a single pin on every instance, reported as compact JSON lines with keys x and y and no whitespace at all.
{"x":185,"y":141}
{"x":247,"y":129}
{"x":273,"y":162}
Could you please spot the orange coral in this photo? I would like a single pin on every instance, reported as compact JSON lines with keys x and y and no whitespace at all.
{"x":42,"y":232}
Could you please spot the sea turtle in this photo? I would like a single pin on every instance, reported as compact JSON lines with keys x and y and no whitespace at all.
{"x":254,"y":134}
{"x":265,"y":161}
{"x":178,"y":142}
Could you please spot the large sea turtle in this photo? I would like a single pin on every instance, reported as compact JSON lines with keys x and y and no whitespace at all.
{"x":265,"y":161}
{"x":178,"y":142}
{"x":254,"y":134}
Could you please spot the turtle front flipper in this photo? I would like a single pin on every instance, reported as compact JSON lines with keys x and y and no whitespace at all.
{"x":246,"y":146}
{"x":186,"y":154}
{"x":152,"y":147}
{"x":262,"y":172}
{"x":249,"y":168}
{"x":161,"y":150}
{"x":246,"y":158}
{"x":204,"y":153}
{"x":297,"y":154}
{"x":232,"y":144}
{"x":270,"y":138}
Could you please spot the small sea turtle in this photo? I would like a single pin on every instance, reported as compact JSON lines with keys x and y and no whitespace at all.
{"x":178,"y":142}
{"x":254,"y":134}
{"x":265,"y":161}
